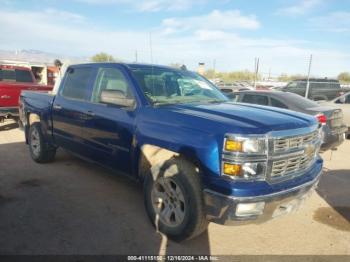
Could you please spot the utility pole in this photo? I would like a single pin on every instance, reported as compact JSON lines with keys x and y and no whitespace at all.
{"x":256,"y":69}
{"x":214,"y":65}
{"x":308,"y":79}
{"x":136,"y":56}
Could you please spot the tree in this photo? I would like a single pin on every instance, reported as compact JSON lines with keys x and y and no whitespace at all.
{"x":344,"y":77}
{"x":103,"y":57}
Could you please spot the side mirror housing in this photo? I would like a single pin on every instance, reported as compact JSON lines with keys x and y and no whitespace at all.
{"x":115,"y":97}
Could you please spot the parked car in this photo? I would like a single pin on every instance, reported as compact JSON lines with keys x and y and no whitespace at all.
{"x":319,"y":88}
{"x":200,"y":157}
{"x":330,"y":117}
{"x":14,"y":79}
{"x":342,"y":102}
{"x":235,"y":86}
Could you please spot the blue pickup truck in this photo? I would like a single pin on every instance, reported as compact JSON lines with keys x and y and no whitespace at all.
{"x":200,"y":157}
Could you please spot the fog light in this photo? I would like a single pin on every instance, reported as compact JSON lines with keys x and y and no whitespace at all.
{"x":232,"y":169}
{"x":250,"y":209}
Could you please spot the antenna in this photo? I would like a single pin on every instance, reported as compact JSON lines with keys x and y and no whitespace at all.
{"x":150,"y":46}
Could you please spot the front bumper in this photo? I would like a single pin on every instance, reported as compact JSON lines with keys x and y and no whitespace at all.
{"x":6,"y":112}
{"x":333,"y":138}
{"x":221,"y":209}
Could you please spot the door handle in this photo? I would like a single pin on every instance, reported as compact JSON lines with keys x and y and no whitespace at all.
{"x":57,"y":107}
{"x":90,"y":113}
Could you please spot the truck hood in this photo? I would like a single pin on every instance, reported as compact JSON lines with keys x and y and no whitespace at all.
{"x":236,"y":117}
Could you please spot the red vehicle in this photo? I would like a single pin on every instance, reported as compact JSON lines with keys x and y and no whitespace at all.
{"x":14,"y":79}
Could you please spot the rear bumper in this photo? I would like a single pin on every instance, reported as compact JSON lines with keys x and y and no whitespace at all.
{"x":333,"y":138}
{"x":8,"y":112}
{"x":222,"y":209}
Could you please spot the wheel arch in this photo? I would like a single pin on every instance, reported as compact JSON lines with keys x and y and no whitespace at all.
{"x":152,"y":156}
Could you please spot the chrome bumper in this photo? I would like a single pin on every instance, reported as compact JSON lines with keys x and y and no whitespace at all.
{"x":221,"y":209}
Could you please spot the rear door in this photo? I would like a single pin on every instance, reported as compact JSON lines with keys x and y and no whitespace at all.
{"x":109,"y":129}
{"x":70,"y":106}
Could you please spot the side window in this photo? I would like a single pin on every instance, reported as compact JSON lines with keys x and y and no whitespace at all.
{"x":292,"y":85}
{"x":276,"y":103}
{"x":233,"y":96}
{"x":76,"y":83}
{"x":255,"y":99}
{"x":23,"y":76}
{"x":110,"y":79}
{"x":302,"y":84}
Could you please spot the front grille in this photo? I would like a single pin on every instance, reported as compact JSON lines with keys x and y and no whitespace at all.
{"x":295,"y":142}
{"x":291,"y":165}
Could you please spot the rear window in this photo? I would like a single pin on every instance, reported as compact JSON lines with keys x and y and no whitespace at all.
{"x":16,"y":75}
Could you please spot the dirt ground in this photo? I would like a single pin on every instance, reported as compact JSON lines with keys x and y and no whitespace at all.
{"x":73,"y":207}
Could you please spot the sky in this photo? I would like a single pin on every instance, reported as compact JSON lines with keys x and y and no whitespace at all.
{"x":225,"y":34}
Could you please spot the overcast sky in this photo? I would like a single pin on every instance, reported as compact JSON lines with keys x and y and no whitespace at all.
{"x":232,"y":32}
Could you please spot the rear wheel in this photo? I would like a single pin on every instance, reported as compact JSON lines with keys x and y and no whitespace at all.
{"x":40,"y":150}
{"x":173,"y":200}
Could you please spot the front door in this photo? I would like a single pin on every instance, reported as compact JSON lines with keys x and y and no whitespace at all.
{"x":109,"y":129}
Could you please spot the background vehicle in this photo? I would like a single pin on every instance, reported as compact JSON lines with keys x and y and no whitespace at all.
{"x":200,"y":157}
{"x":14,"y":79}
{"x":342,"y":102}
{"x":320,"y":88}
{"x":235,"y":86}
{"x":330,"y":117}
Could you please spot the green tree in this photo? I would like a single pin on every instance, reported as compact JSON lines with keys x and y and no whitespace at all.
{"x":344,"y":77}
{"x":285,"y":78}
{"x":103,"y":57}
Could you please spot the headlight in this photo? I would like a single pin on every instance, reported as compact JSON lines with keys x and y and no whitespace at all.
{"x":248,"y":145}
{"x":245,"y":157}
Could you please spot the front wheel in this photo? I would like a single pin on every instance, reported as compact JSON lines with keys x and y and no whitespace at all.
{"x":40,"y":150}
{"x":173,"y":200}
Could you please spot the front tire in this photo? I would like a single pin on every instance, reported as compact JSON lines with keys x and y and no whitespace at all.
{"x":40,"y":150}
{"x":173,"y":200}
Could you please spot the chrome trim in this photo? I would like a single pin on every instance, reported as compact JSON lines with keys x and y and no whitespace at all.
{"x":276,"y":194}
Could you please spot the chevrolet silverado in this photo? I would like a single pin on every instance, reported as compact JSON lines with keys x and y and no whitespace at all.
{"x":200,"y":157}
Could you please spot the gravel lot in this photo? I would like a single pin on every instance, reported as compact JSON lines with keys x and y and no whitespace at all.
{"x":73,"y":207}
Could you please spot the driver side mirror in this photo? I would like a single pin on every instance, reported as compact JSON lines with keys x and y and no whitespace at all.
{"x":116,"y":97}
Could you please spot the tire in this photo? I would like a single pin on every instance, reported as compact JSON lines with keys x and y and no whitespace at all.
{"x":40,"y":150}
{"x":180,"y":218}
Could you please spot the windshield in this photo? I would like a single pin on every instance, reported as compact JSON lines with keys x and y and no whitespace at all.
{"x":170,"y":86}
